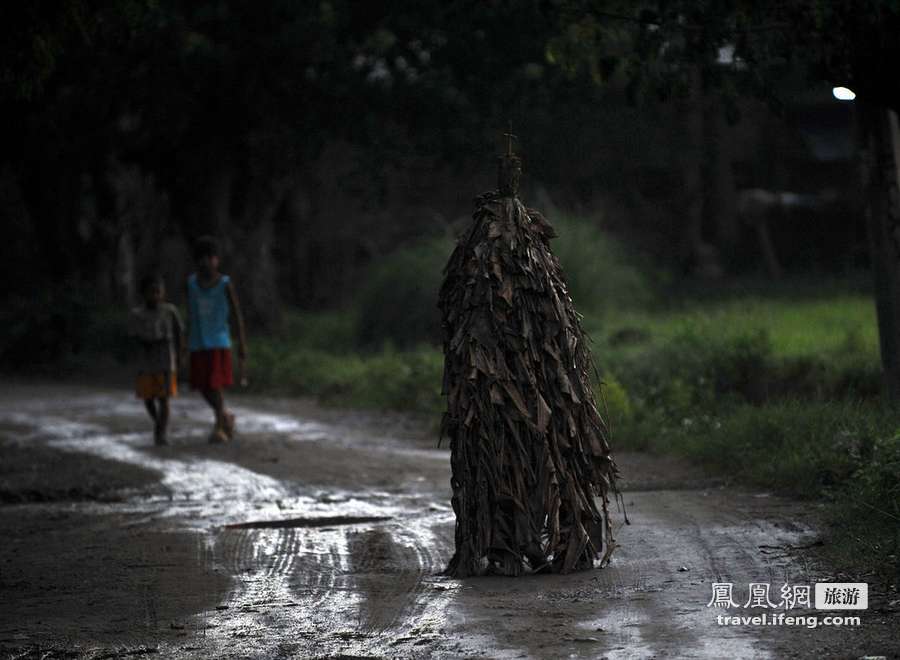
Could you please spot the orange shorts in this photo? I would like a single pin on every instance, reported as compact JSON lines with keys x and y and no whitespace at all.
{"x":160,"y":385}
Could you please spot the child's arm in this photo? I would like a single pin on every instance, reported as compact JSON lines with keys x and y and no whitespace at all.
{"x":238,"y":320}
{"x":178,"y":328}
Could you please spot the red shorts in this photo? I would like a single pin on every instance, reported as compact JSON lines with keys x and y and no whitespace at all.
{"x":211,"y":370}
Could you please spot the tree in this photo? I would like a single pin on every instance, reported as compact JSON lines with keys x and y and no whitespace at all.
{"x":670,"y":47}
{"x":228,"y":103}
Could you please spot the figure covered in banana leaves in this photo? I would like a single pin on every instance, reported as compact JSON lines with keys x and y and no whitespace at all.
{"x":532,"y":473}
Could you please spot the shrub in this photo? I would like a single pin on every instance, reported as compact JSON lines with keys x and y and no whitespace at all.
{"x":866,"y":510}
{"x":62,"y":330}
{"x":333,"y":331}
{"x":398,"y":301}
{"x":390,"y":379}
{"x":806,"y":448}
{"x":603,"y":274}
{"x":409,"y":380}
{"x":876,"y":485}
{"x":694,"y":371}
{"x":613,"y":400}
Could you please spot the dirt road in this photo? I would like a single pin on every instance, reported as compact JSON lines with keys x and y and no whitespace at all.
{"x":322,"y":533}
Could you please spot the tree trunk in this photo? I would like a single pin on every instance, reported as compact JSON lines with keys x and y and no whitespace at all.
{"x":254,"y":260}
{"x":692,"y":170}
{"x":54,"y":216}
{"x":106,"y":244}
{"x":879,"y":159}
{"x":721,"y":192}
{"x":293,"y":248}
{"x":767,"y":247}
{"x":702,"y":258}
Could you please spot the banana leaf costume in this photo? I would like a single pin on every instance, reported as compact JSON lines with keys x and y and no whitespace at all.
{"x":531,"y":466}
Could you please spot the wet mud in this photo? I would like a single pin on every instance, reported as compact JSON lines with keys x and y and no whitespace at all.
{"x":322,"y":533}
{"x":76,"y":477}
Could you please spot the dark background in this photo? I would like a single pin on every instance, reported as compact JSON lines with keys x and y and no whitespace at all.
{"x":313,"y":138}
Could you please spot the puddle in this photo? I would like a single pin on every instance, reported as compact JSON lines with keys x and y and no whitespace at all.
{"x":288,"y":550}
{"x":326,"y":521}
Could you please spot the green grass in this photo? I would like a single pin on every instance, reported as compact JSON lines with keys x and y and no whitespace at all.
{"x":796,"y":327}
{"x":801,"y":448}
{"x":675,"y":359}
{"x":702,"y":352}
{"x":388,"y":379}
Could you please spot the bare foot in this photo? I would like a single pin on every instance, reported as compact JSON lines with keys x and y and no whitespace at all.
{"x":218,"y":437}
{"x":228,"y":424}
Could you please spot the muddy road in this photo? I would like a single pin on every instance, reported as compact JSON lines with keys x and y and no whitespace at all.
{"x":322,"y":533}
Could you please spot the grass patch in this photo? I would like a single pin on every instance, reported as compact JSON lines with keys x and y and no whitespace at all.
{"x":869,"y":519}
{"x":757,"y":349}
{"x":802,"y":448}
{"x":389,"y":379}
{"x":797,"y":327}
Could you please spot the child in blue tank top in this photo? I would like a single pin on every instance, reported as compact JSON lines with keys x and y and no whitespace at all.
{"x":211,"y":299}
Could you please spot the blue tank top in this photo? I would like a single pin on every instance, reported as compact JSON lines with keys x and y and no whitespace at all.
{"x":208,"y":309}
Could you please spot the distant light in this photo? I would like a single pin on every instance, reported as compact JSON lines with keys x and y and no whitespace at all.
{"x":843,"y":94}
{"x":726,"y":54}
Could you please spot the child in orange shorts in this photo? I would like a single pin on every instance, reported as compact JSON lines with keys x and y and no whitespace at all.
{"x":157,"y":326}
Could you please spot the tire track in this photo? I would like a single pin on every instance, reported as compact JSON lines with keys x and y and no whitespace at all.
{"x":356,"y":588}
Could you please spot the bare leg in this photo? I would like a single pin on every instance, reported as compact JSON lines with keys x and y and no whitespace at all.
{"x":151,"y":409}
{"x":162,"y":421}
{"x":217,"y":403}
